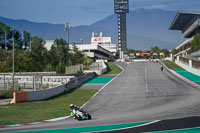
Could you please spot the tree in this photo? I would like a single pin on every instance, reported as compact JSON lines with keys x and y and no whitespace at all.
{"x":155,"y":49}
{"x":165,"y":51}
{"x":27,"y":38}
{"x":4,"y":30}
{"x":78,"y":57}
{"x":60,"y":67}
{"x":5,"y":61}
{"x":59,"y":54}
{"x":195,"y":44}
{"x":38,"y":54}
{"x":23,"y":61}
{"x":117,"y":54}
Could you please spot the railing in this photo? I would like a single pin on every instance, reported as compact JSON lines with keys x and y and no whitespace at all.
{"x":184,"y":60}
{"x":32,"y":81}
{"x":196,"y":64}
{"x":190,"y":62}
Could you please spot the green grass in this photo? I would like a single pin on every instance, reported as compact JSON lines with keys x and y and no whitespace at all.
{"x":172,"y":65}
{"x":112,"y":69}
{"x":44,"y":110}
{"x":6,"y":94}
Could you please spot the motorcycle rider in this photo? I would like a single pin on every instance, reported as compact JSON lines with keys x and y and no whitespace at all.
{"x":161,"y":67}
{"x":76,"y":108}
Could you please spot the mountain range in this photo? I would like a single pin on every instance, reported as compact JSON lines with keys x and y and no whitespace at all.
{"x":145,"y":28}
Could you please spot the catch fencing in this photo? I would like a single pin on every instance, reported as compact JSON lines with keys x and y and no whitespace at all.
{"x":33,"y":82}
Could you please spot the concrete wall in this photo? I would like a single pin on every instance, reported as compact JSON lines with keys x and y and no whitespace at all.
{"x":27,"y":96}
{"x":44,"y":94}
{"x":188,"y":68}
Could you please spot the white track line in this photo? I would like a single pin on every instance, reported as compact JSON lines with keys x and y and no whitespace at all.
{"x":104,"y":86}
{"x":66,"y":117}
{"x":129,"y":127}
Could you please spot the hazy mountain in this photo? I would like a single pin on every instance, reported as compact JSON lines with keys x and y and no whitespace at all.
{"x":145,"y":28}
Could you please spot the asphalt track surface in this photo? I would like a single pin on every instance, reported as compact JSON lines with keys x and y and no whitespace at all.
{"x":141,"y":93}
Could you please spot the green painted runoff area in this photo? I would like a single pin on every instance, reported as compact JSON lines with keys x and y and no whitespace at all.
{"x":89,"y":129}
{"x":191,"y":130}
{"x":98,"y":81}
{"x":192,"y":77}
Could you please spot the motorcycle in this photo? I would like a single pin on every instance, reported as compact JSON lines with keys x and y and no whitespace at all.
{"x":80,"y":115}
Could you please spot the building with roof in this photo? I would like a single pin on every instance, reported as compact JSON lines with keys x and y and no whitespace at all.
{"x":99,"y":48}
{"x":95,"y":51}
{"x":189,"y":24}
{"x":104,"y":42}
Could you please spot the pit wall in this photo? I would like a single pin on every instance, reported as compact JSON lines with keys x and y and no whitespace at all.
{"x":29,"y":96}
{"x":188,"y":68}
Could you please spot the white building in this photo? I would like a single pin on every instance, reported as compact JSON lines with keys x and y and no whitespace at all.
{"x":100,"y":47}
{"x":104,"y":42}
{"x":48,"y":44}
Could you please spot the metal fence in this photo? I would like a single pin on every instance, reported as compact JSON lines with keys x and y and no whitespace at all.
{"x":195,"y":63}
{"x":32,"y":82}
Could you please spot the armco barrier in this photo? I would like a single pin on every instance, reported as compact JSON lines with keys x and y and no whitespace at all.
{"x":51,"y":92}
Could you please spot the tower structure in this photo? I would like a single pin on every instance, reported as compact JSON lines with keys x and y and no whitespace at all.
{"x":121,"y":7}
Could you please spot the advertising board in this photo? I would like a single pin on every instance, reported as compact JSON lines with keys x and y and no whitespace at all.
{"x":121,"y":6}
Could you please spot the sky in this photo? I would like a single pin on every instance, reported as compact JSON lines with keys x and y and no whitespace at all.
{"x":81,"y":12}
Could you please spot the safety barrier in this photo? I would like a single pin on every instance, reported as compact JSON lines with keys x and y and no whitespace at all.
{"x":27,"y":96}
{"x":19,"y":97}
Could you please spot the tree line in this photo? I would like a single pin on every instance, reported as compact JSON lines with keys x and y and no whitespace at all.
{"x":32,"y":56}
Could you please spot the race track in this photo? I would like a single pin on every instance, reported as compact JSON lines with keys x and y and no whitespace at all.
{"x":141,"y":93}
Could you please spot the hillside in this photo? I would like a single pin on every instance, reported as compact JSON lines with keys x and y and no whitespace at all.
{"x":145,"y":28}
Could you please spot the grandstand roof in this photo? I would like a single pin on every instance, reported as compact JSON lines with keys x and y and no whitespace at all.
{"x":182,"y":19}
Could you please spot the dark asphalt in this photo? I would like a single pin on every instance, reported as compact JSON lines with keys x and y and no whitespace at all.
{"x":141,"y":93}
{"x":165,"y":125}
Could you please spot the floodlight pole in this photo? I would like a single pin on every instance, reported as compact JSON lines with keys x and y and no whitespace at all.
{"x":5,"y":39}
{"x":30,"y":43}
{"x":13,"y":56}
{"x":67,"y":27}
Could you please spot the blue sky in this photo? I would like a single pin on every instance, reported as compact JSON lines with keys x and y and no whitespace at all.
{"x":81,"y":12}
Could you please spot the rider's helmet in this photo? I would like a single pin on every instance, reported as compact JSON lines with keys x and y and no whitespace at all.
{"x":71,"y":106}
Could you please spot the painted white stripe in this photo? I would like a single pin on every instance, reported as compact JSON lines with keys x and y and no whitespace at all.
{"x":129,"y":127}
{"x":104,"y":86}
{"x":117,"y":93}
{"x":58,"y":119}
{"x":66,"y":117}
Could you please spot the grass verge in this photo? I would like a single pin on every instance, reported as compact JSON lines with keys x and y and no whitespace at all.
{"x":44,"y":110}
{"x":172,"y":65}
{"x":112,"y":69}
